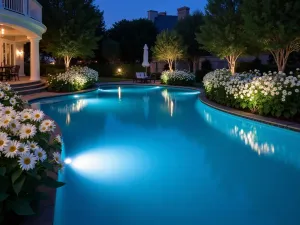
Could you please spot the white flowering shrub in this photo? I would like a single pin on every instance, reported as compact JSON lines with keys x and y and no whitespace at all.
{"x":178,"y":77}
{"x":75,"y":79}
{"x":28,"y":152}
{"x":10,"y":98}
{"x":275,"y":94}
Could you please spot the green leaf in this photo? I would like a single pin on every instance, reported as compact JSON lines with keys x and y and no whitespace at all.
{"x":4,"y":184}
{"x":47,"y":165}
{"x":21,"y":207}
{"x":3,"y":196}
{"x":2,"y":171}
{"x":49,"y":182}
{"x":17,"y":186}
{"x":16,"y":175}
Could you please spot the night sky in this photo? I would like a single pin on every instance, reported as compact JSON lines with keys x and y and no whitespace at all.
{"x":115,"y":10}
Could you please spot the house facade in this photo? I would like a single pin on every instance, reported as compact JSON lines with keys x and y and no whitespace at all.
{"x":20,"y":23}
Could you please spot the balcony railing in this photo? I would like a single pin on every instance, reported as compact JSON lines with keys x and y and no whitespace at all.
{"x":30,"y":8}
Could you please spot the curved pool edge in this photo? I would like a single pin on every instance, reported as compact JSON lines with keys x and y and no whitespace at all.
{"x":49,"y":94}
{"x":267,"y":120}
{"x":58,"y":94}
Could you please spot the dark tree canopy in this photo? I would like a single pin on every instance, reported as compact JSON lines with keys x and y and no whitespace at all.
{"x":274,"y":26}
{"x":72,"y":27}
{"x":223,"y":31}
{"x":187,"y":29}
{"x":132,"y":36}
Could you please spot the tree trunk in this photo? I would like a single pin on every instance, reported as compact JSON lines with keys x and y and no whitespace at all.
{"x":281,"y":57}
{"x":170,"y":62}
{"x":232,"y":62}
{"x":195,"y":65}
{"x":67,"y":60}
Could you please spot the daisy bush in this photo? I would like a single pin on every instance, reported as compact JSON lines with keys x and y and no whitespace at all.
{"x":270,"y":94}
{"x":178,"y":77}
{"x":75,"y":79}
{"x":28,"y":152}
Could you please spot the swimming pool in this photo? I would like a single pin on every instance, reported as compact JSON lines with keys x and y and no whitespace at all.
{"x":145,"y":155}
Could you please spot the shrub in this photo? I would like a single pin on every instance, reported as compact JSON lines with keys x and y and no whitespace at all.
{"x":28,"y":151}
{"x":75,"y":79}
{"x":177,"y":77}
{"x":274,"y":94}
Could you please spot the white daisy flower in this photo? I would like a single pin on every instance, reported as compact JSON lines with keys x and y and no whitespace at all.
{"x":37,"y":115}
{"x":11,"y":150}
{"x":15,"y":126}
{"x":6,"y":98}
{"x":4,"y":122}
{"x":23,"y":148}
{"x":43,"y":129}
{"x":27,"y":161}
{"x":2,"y":94}
{"x":58,"y":138}
{"x":32,"y":145}
{"x":6,"y":88}
{"x":27,"y":131}
{"x":25,"y":115}
{"x":3,"y":140}
{"x":56,"y":157}
{"x":9,"y":111}
{"x":40,"y":154}
{"x":13,"y":101}
{"x":50,"y":124}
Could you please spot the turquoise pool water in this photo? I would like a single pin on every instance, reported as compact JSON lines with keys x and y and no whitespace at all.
{"x":158,"y":156}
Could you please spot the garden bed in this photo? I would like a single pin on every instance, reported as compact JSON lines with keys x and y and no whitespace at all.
{"x":269,"y":94}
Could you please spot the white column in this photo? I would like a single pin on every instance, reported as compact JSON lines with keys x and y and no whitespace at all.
{"x":19,"y":57}
{"x":35,"y":58}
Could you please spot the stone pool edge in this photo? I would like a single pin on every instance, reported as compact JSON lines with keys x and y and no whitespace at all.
{"x":267,"y":120}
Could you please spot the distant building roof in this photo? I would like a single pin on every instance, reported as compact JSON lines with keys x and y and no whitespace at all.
{"x":163,"y":22}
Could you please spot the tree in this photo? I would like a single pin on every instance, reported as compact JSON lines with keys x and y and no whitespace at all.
{"x":168,"y":47}
{"x":222,"y":33}
{"x":274,"y":25}
{"x":187,"y":29}
{"x":110,"y":50}
{"x":132,"y":36}
{"x":72,"y":26}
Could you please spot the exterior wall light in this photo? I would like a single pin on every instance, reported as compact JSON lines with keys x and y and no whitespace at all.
{"x":19,"y":53}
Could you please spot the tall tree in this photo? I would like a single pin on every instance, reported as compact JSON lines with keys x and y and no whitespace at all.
{"x":223,"y":31}
{"x":72,"y":26}
{"x":169,"y":47}
{"x":132,"y":36}
{"x":274,"y":25}
{"x":187,"y":29}
{"x":110,"y":50}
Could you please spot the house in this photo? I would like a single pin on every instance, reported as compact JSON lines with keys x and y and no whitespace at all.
{"x":20,"y":23}
{"x":162,"y":21}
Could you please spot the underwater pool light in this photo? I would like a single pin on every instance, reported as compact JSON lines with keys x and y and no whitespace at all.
{"x":68,"y":161}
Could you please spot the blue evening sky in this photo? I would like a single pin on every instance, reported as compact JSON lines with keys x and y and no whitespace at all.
{"x":115,"y":10}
